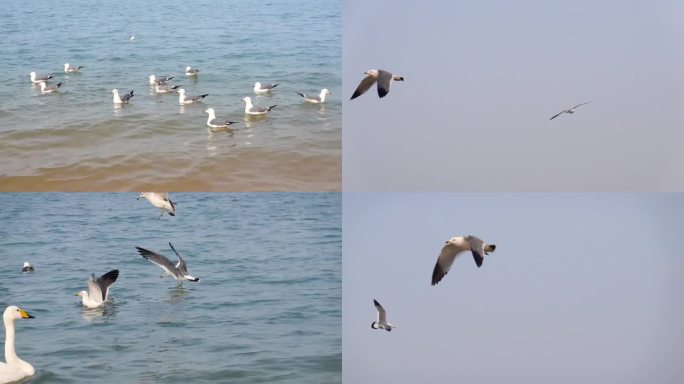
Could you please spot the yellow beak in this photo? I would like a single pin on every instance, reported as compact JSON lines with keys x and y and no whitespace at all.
{"x":25,"y":315}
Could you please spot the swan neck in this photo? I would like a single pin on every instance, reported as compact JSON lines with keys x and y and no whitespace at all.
{"x":10,"y":355}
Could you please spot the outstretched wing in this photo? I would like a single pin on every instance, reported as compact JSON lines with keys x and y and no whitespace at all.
{"x":384,"y":82}
{"x":158,"y":259}
{"x":382,"y":315}
{"x":365,"y":84}
{"x":180,"y":265}
{"x":106,"y":280}
{"x":477,"y":248}
{"x":444,"y":261}
{"x":557,"y":114}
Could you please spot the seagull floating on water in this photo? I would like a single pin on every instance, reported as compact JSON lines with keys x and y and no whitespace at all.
{"x":123,"y":99}
{"x":213,"y":122}
{"x":383,"y":78}
{"x":178,"y":271}
{"x":45,"y":88}
{"x":183,"y":99}
{"x":455,"y":246}
{"x":27,"y":267}
{"x":253,"y":109}
{"x":571,"y":110}
{"x":98,"y":289}
{"x":159,"y":88}
{"x":14,"y":369}
{"x":160,"y":200}
{"x":263,"y":88}
{"x":190,"y":71}
{"x":131,"y":38}
{"x":159,"y":80}
{"x":35,"y":79}
{"x":382,"y":319}
{"x":71,"y":69}
{"x":317,"y":99}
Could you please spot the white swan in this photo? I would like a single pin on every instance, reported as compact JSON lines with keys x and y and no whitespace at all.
{"x":15,"y":368}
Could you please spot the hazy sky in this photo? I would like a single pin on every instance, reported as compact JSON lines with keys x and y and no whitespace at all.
{"x":484,"y":77}
{"x":581,"y":288}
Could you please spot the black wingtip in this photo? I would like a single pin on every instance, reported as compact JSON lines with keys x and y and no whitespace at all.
{"x":437,"y":274}
{"x":203,"y":96}
{"x":274,"y":85}
{"x":355,"y":95}
{"x":301,"y":94}
{"x":172,"y":214}
{"x":272,"y":106}
{"x":382,"y":93}
{"x":59,"y":84}
{"x":375,"y":302}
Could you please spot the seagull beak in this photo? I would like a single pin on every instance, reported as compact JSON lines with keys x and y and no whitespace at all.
{"x":25,"y":315}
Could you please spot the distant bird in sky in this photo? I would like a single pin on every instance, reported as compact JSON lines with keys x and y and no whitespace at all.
{"x":382,"y":319}
{"x":455,"y":246}
{"x":571,"y":110}
{"x":383,"y":78}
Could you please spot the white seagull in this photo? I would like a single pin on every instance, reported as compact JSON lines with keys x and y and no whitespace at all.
{"x":571,"y":110}
{"x":160,"y":200}
{"x":27,"y":267}
{"x":263,"y":88}
{"x":178,"y":271}
{"x":183,"y":99}
{"x":71,"y":69}
{"x":190,"y":71}
{"x":45,"y":88}
{"x":159,"y":88}
{"x":213,"y":122}
{"x":453,"y":248}
{"x":159,"y":80}
{"x":255,"y":110}
{"x":382,"y":319}
{"x":14,"y":369}
{"x":35,"y":79}
{"x":316,"y":99}
{"x":383,"y":78}
{"x":98,"y":289}
{"x":123,"y":99}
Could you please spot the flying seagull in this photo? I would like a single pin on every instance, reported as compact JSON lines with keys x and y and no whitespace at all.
{"x":45,"y":88}
{"x":190,"y":71}
{"x":27,"y":267}
{"x":123,"y":99}
{"x":178,"y":271}
{"x":98,"y":289}
{"x":263,"y":88}
{"x":571,"y":110}
{"x":316,"y":99}
{"x":383,"y":78}
{"x":160,"y":200}
{"x":183,"y":99}
{"x":213,"y":122}
{"x":254,"y":109}
{"x":382,"y":319}
{"x":453,"y":248}
{"x":70,"y":68}
{"x":35,"y":79}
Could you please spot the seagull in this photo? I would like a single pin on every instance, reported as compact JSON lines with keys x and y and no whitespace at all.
{"x":98,"y":289}
{"x":383,"y":78}
{"x":159,"y":80}
{"x":319,"y":99}
{"x":453,"y":248}
{"x":255,"y":110}
{"x":178,"y":271}
{"x":182,"y":99}
{"x":259,"y":89}
{"x":69,"y":69}
{"x":166,"y":88}
{"x":27,"y":267}
{"x":160,"y":200}
{"x":190,"y":71}
{"x":123,"y":99}
{"x":35,"y":79}
{"x":131,"y":38}
{"x":382,"y":319}
{"x":571,"y":110}
{"x":45,"y":88}
{"x":213,"y":122}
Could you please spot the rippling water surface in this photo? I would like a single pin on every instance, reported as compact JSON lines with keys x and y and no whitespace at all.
{"x":78,"y":140}
{"x":267,"y":308}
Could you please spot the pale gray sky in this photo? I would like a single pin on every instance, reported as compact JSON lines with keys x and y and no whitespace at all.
{"x":484,"y":77}
{"x":582,"y":288}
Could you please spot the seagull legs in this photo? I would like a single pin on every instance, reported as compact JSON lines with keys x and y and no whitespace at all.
{"x":161,"y":214}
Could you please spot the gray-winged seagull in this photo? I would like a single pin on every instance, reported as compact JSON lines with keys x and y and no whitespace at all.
{"x":27,"y":267}
{"x":35,"y":79}
{"x":183,"y":99}
{"x":382,"y":319}
{"x":178,"y":271}
{"x":45,"y":88}
{"x":98,"y":289}
{"x":571,"y":110}
{"x":383,"y":78}
{"x":159,"y":80}
{"x":263,"y":88}
{"x":160,"y":88}
{"x":213,"y":122}
{"x":70,"y":68}
{"x":316,"y":99}
{"x":190,"y":71}
{"x":254,"y":109}
{"x":121,"y":99}
{"x":160,"y":200}
{"x":455,"y":246}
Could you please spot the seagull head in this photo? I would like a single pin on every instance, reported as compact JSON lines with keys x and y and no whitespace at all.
{"x":257,"y":85}
{"x":372,"y":72}
{"x":82,"y":294}
{"x":209,"y":110}
{"x":13,"y":312}
{"x":181,"y":91}
{"x":246,"y":99}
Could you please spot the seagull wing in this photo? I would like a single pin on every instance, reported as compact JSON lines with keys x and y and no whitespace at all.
{"x":384,"y":81}
{"x":579,"y":105}
{"x":159,"y":260}
{"x":365,"y":84}
{"x":180,"y":265}
{"x":444,"y":261}
{"x":104,"y":281}
{"x":382,"y":315}
{"x":477,"y":248}
{"x":557,"y":114}
{"x":94,"y":291}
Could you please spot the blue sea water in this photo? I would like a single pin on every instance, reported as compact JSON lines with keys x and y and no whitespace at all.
{"x":77,"y":140}
{"x":267,"y":308}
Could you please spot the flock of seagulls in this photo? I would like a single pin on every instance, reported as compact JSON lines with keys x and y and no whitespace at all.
{"x":453,"y":248}
{"x":161,"y":85}
{"x":96,"y":295}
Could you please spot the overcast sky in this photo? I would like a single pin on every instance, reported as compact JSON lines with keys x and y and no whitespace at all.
{"x":581,"y":288}
{"x":484,"y":77}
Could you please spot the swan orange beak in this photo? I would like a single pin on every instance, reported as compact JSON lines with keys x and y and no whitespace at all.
{"x":25,"y":315}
